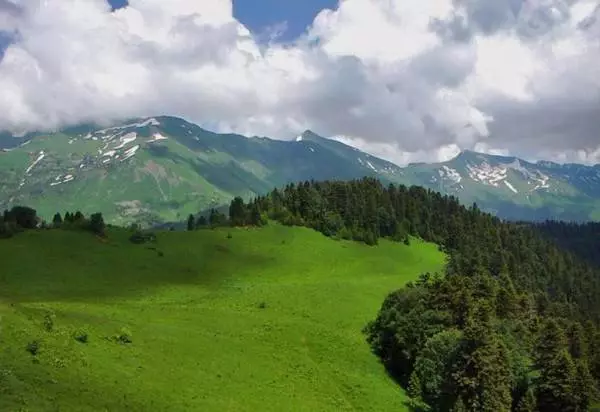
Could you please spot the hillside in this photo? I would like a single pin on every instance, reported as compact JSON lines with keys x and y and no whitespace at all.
{"x":269,"y":319}
{"x":158,"y":170}
{"x":513,"y":188}
{"x":161,"y":169}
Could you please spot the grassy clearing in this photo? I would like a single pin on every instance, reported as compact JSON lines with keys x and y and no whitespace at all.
{"x":267,"y":320}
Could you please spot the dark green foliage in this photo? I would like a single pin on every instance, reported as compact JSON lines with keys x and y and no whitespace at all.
{"x":123,"y":337}
{"x":191,"y":223}
{"x":49,"y":322}
{"x":201,"y":222}
{"x":24,"y":217}
{"x":237,"y":212}
{"x":216,"y":218}
{"x":556,"y":384}
{"x":527,"y":403}
{"x":57,"y":220}
{"x":582,"y":239}
{"x":140,"y":237}
{"x":81,"y":336}
{"x":97,"y":225}
{"x":33,"y":347}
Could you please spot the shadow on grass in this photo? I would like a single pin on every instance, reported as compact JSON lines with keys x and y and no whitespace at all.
{"x":60,"y":265}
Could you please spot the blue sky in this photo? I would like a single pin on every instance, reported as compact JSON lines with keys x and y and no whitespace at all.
{"x":260,"y":15}
{"x":257,"y":15}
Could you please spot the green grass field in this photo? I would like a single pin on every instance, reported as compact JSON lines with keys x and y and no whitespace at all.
{"x":269,"y":320}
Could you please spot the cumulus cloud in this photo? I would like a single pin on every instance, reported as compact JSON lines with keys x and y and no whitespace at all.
{"x":409,"y":80}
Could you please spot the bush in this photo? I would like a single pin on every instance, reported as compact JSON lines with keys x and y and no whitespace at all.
{"x":81,"y":336}
{"x":49,"y":322}
{"x":33,"y":347}
{"x":262,"y":305}
{"x":139,"y":237}
{"x":124,"y":336}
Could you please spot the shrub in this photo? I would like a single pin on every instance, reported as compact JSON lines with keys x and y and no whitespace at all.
{"x":33,"y":347}
{"x":49,"y":322}
{"x":124,"y":336}
{"x":81,"y":336}
{"x":139,"y":237}
{"x":262,"y":305}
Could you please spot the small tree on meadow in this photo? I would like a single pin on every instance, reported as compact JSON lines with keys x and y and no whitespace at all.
{"x":191,"y":223}
{"x":97,"y":224}
{"x":57,"y":220}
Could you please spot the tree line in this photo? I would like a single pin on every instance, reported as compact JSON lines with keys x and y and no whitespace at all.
{"x":21,"y":218}
{"x":511,"y":324}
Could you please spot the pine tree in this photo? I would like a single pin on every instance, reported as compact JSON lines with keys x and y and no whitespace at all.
{"x":527,"y":403}
{"x":255,"y":218}
{"x":237,"y":212}
{"x":556,"y":384}
{"x":97,"y":224}
{"x":485,"y":379}
{"x":584,"y":385}
{"x":414,"y":387}
{"x":578,"y":345}
{"x":201,"y":222}
{"x":459,"y":406}
{"x":191,"y":223}
{"x":57,"y":220}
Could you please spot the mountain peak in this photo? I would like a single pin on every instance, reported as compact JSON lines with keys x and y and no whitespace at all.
{"x":308,"y":135}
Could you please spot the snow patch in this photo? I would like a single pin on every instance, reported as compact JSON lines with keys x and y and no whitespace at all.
{"x":299,"y":138}
{"x":510,"y":186}
{"x":487,"y":174}
{"x":157,"y":136}
{"x":451,"y":174}
{"x":148,"y":122}
{"x":130,"y":152}
{"x":128,"y":138}
{"x":371,"y":165}
{"x":311,"y":149}
{"x":40,"y":157}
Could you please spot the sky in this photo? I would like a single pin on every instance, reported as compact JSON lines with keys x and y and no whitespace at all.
{"x":407,"y":80}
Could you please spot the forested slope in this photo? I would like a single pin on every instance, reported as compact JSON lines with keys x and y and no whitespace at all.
{"x":510,"y":325}
{"x":583,"y":239}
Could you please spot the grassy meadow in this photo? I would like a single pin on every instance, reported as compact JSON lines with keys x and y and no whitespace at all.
{"x":263,"y":320}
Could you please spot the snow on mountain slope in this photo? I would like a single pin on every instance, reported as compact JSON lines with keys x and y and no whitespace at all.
{"x":166,"y":166}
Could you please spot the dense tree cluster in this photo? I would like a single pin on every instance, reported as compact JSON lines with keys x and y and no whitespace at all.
{"x":22,"y":218}
{"x":17,"y":219}
{"x":240,"y":214}
{"x":582,"y":239}
{"x":510,"y":326}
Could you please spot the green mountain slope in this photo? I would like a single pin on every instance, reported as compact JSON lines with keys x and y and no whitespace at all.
{"x":513,"y":188}
{"x":268,"y":320}
{"x":161,"y":169}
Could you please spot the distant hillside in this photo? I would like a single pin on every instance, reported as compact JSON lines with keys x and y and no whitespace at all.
{"x":513,"y":188}
{"x":158,"y":170}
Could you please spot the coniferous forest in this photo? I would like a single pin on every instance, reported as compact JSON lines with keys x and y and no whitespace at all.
{"x":510,"y":326}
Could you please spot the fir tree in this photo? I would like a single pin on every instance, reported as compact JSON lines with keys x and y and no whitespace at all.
{"x":191,"y":223}
{"x":57,"y":220}
{"x":527,"y":403}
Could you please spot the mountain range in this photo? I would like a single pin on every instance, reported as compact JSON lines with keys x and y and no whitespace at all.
{"x":161,"y":169}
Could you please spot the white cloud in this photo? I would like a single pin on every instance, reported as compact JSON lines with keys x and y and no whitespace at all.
{"x":409,"y":80}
